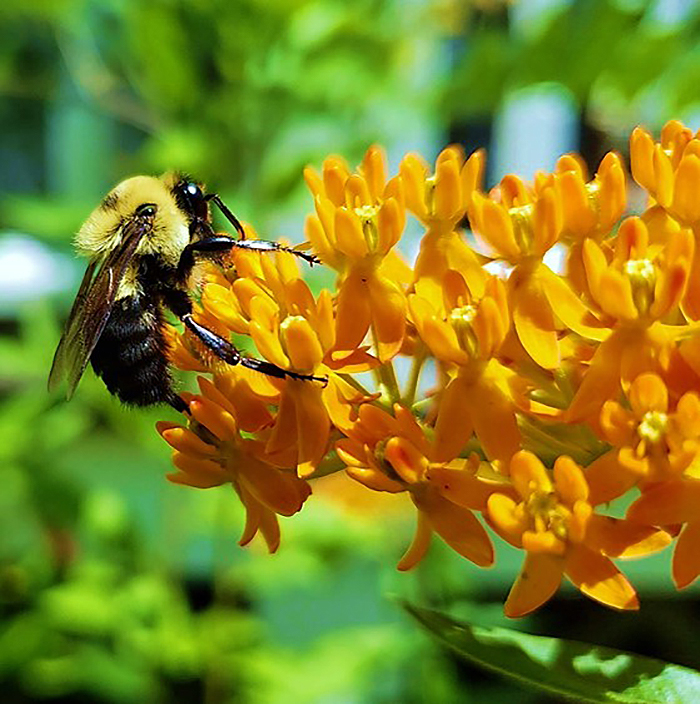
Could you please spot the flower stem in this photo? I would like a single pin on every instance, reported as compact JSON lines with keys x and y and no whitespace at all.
{"x":419,"y":358}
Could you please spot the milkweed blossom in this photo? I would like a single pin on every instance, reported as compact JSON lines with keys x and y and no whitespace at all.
{"x":521,"y":403}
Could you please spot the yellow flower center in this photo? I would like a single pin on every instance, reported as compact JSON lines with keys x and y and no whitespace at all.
{"x":653,"y":426}
{"x":368,"y":218}
{"x":641,"y":274}
{"x":461,"y":321}
{"x":521,"y":217}
{"x":547,"y":514}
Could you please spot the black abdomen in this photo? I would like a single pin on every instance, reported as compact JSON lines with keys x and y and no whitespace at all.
{"x":130,"y":355}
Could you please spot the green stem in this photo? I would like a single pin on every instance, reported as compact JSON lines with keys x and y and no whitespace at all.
{"x":419,"y":358}
{"x":388,"y":384}
{"x":348,"y":378}
{"x":547,"y":441}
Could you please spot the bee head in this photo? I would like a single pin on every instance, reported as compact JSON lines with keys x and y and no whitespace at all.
{"x":191,"y":199}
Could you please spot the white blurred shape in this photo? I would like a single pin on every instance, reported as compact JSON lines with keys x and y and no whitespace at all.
{"x":29,"y":270}
{"x":533,"y":128}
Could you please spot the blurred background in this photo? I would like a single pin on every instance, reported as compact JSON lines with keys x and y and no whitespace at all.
{"x":117,"y":587}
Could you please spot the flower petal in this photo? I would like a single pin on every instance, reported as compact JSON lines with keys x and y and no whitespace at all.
{"x":667,"y":503}
{"x":686,"y":557}
{"x":457,"y":526}
{"x":597,"y":577}
{"x":619,"y":538}
{"x":419,"y":546}
{"x":607,"y":479}
{"x":537,"y":582}
{"x":354,"y":312}
{"x":453,"y":427}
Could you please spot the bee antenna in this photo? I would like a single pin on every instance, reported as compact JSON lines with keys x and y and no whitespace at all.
{"x":216,"y":199}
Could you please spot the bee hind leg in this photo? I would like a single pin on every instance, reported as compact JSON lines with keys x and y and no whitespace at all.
{"x":225,"y":351}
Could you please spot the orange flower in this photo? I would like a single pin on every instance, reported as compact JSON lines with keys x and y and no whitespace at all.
{"x":632,"y":293}
{"x":359,"y":218}
{"x":670,"y":171}
{"x":391,"y":454}
{"x":226,"y":457}
{"x":468,"y":333}
{"x":440,"y":202}
{"x":651,"y":443}
{"x":555,"y":523}
{"x":589,"y":209}
{"x":521,"y":228}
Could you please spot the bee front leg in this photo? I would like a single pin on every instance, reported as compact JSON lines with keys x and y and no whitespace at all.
{"x":207,"y":247}
{"x":225,"y":351}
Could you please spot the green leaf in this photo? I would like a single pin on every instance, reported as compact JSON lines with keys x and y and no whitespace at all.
{"x":578,"y":671}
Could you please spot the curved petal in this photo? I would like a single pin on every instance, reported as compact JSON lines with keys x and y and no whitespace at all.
{"x":419,"y":546}
{"x":388,"y":312}
{"x":686,"y":204}
{"x":185,"y":441}
{"x":569,"y":480}
{"x":275,"y":489}
{"x":528,"y":474}
{"x":374,"y":479}
{"x":648,"y":393}
{"x":597,"y":577}
{"x":607,"y":479}
{"x":568,"y":307}
{"x":213,"y":417}
{"x":313,"y":425}
{"x":600,"y":383}
{"x":642,"y":158}
{"x":462,"y":487}
{"x":457,"y":526}
{"x":447,"y":203}
{"x":614,"y":296}
{"x":539,"y":579}
{"x":408,"y":462}
{"x":492,"y":412}
{"x":268,"y":344}
{"x":534,"y":320}
{"x":453,"y":426}
{"x":667,"y":503}
{"x":686,"y":557}
{"x":507,"y":518}
{"x":354,"y":313}
{"x":619,"y":538}
{"x":301,"y":343}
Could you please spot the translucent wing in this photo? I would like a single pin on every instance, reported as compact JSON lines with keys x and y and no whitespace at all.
{"x":92,"y":307}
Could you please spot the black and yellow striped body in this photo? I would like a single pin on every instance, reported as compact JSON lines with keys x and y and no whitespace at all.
{"x":130,"y":355}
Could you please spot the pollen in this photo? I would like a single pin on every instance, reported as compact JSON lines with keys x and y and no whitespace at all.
{"x":368,"y":218}
{"x":653,"y":426}
{"x":547,"y":514}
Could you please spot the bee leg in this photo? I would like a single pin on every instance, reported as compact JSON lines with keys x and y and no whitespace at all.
{"x":215,"y":198}
{"x":225,"y":351}
{"x":207,"y":247}
{"x":256,"y":245}
{"x":178,"y":404}
{"x":267,"y":246}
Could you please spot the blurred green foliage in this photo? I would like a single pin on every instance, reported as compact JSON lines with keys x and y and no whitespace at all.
{"x":625,"y":62}
{"x":117,"y":587}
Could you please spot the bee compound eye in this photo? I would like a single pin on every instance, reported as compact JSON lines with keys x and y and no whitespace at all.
{"x":193,"y":190}
{"x":147,"y":210}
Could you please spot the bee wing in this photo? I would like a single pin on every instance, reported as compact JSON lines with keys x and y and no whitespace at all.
{"x":92,"y":307}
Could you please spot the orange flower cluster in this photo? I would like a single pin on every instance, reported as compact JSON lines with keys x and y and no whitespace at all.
{"x":550,"y":394}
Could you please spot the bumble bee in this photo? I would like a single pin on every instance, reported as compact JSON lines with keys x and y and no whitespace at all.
{"x":144,"y":240}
